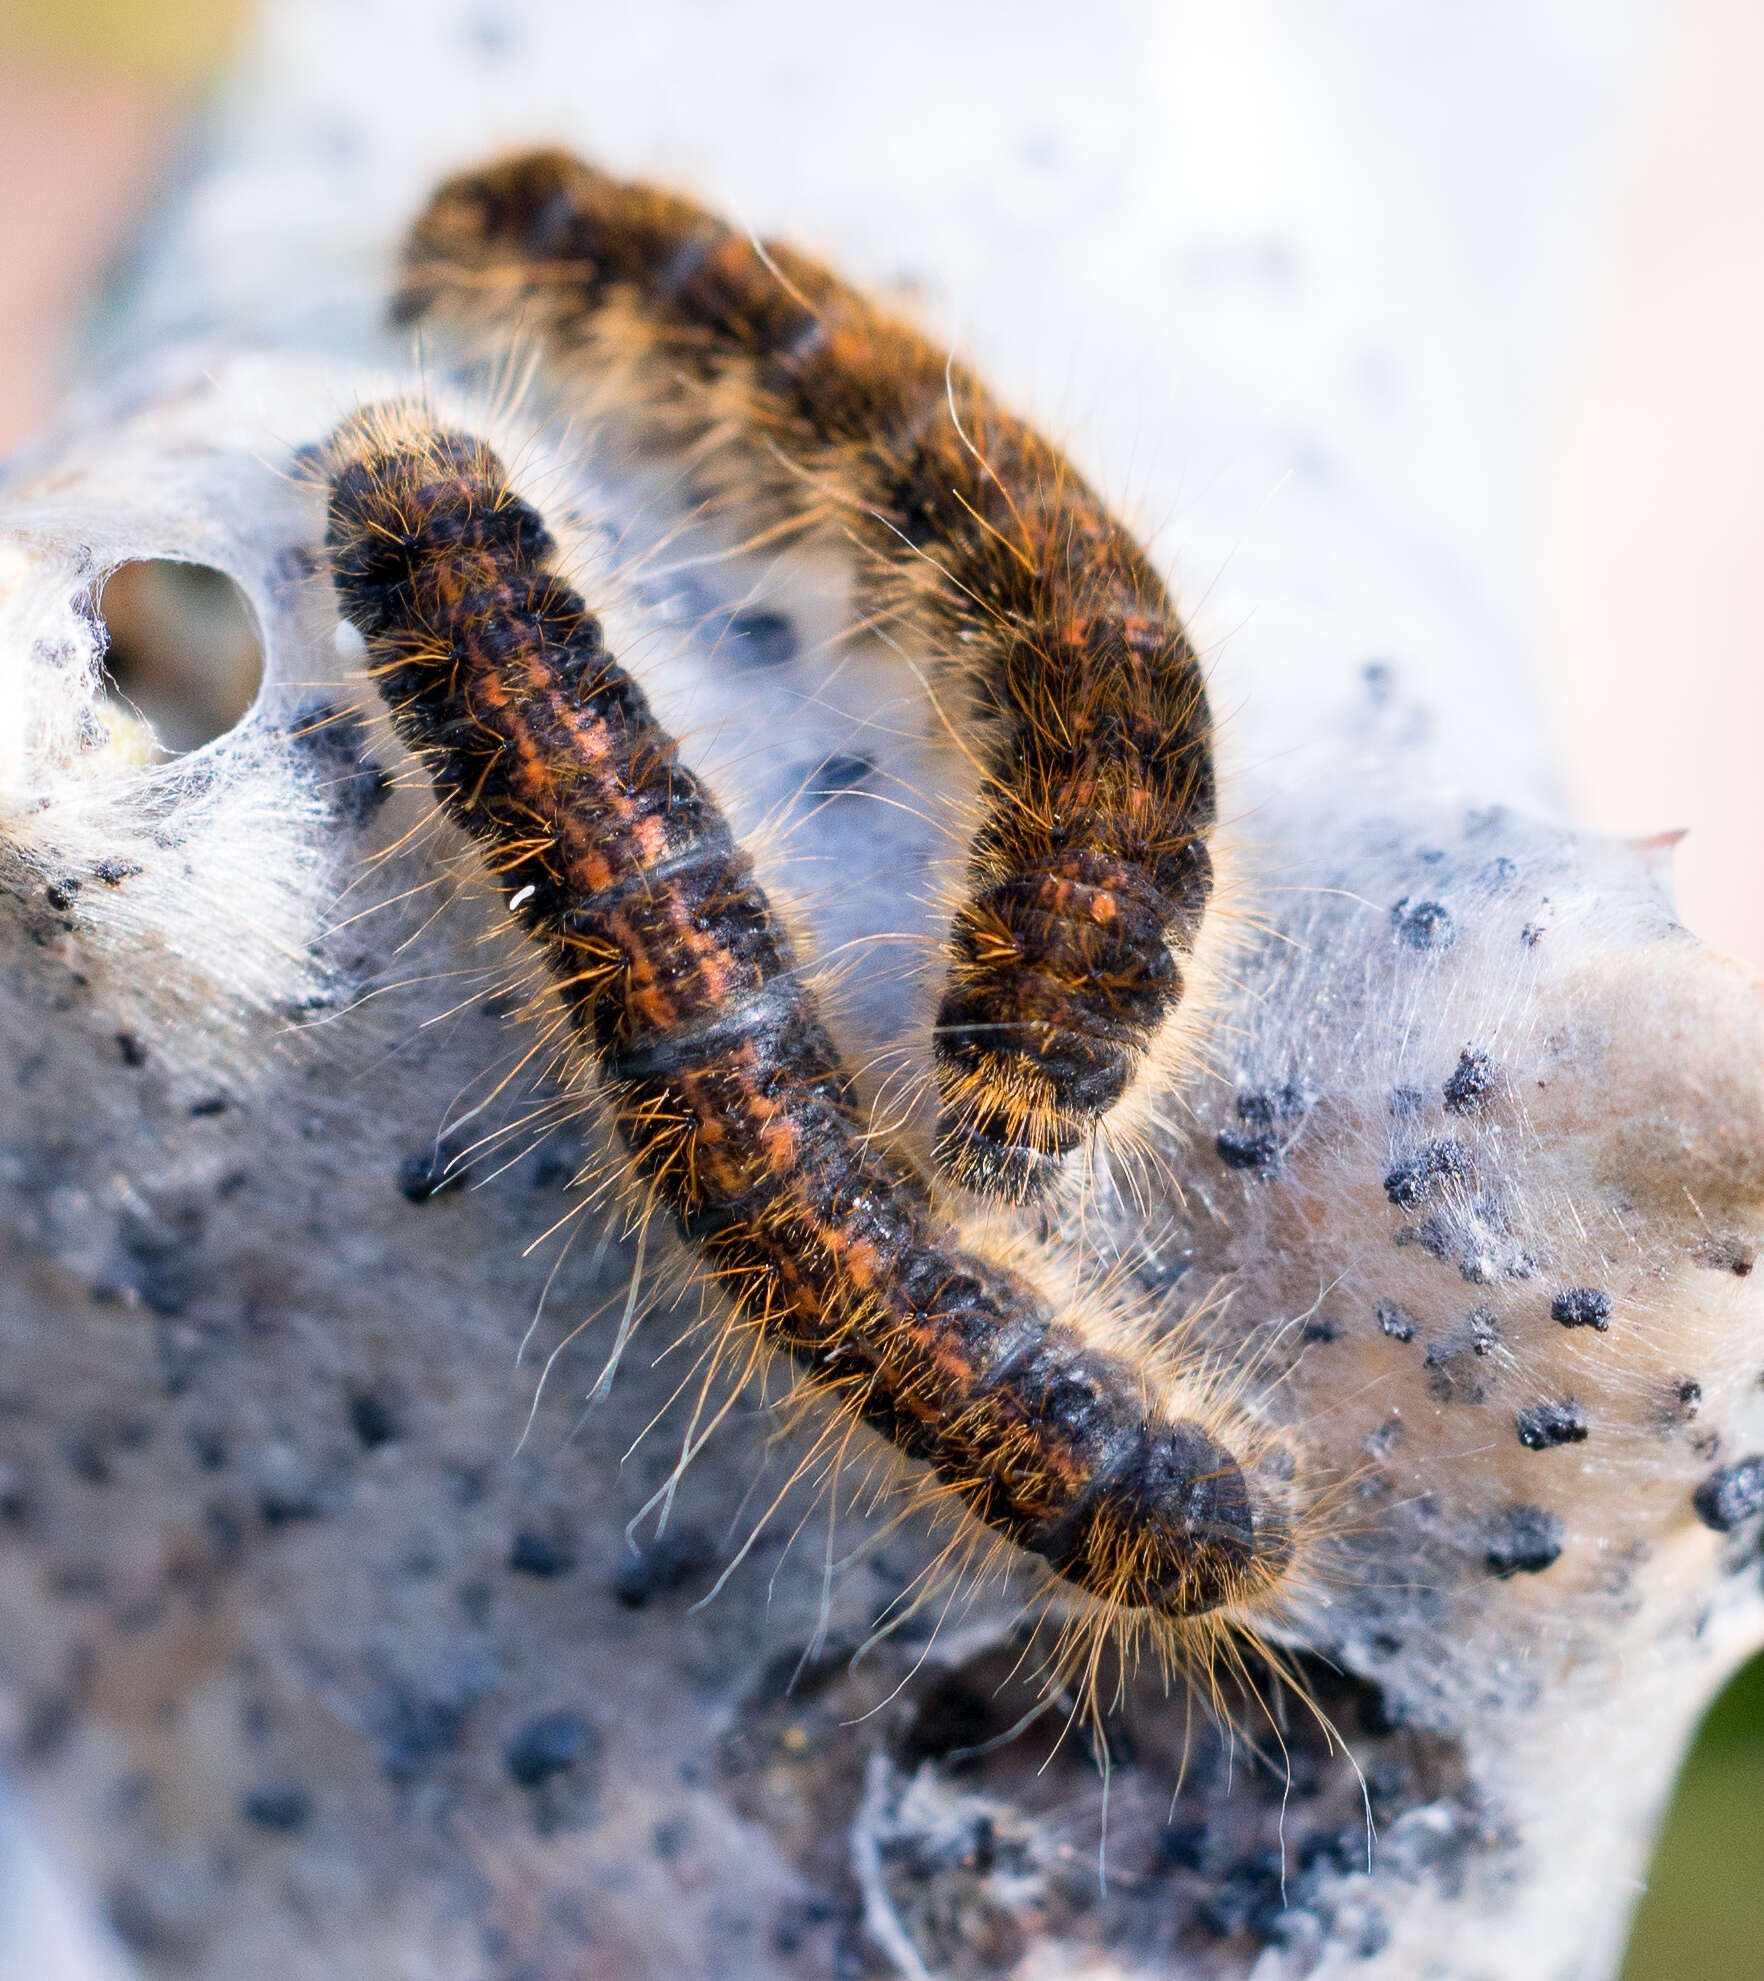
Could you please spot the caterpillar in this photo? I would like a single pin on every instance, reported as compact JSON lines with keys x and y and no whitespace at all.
{"x":1152,"y":1503}
{"x":809,"y":410}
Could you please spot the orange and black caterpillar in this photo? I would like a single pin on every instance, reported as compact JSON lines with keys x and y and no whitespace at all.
{"x":1089,"y":871}
{"x":735,"y":1115}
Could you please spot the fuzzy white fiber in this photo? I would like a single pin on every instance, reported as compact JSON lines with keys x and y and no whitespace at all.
{"x":320,"y":1659}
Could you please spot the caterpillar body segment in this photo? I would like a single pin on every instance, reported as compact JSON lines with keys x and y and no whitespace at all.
{"x":1148,"y":1500}
{"x":806,"y":408}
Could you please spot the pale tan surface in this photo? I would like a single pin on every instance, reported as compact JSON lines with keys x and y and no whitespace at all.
{"x":90,"y":93}
{"x":72,"y":159}
{"x":1652,"y":550}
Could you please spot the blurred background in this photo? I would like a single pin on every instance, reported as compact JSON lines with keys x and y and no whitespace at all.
{"x":1647,"y":489}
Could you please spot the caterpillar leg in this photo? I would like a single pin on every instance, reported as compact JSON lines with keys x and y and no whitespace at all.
{"x":808,"y":408}
{"x":1149,"y":1500}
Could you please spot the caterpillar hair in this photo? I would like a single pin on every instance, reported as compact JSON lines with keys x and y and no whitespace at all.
{"x":1150,"y":1499}
{"x":809,"y":409}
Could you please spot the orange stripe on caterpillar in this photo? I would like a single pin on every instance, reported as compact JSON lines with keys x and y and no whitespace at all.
{"x":1089,"y":872}
{"x":723,"y":1088}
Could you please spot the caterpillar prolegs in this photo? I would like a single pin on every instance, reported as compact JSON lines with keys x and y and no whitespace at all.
{"x":803,"y":408}
{"x":1153,"y":1503}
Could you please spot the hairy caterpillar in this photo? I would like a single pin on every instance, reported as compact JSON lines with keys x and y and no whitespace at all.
{"x":1152,"y":1502}
{"x":807,"y":409}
